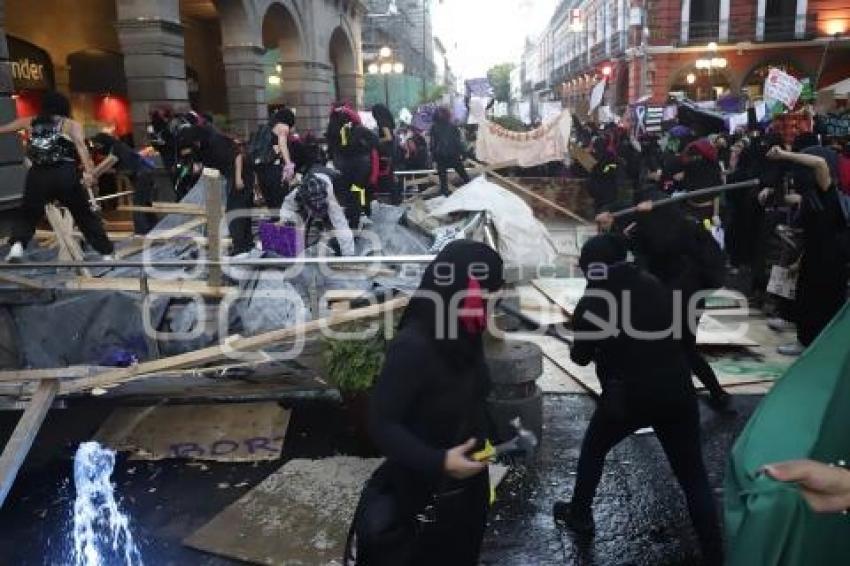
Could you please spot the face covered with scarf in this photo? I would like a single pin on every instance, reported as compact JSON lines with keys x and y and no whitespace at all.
{"x":451,"y":303}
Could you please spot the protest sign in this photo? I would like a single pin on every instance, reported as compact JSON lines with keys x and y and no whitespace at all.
{"x":782,"y":87}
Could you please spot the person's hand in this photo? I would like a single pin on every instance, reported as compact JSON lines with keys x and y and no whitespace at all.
{"x":288,"y":171}
{"x":679,"y":176}
{"x":605,"y":220}
{"x":775,"y":153}
{"x":793,"y":199}
{"x":457,"y":463}
{"x":645,"y":206}
{"x":825,"y":488}
{"x":765,"y":194}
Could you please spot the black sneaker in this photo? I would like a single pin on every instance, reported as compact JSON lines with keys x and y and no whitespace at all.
{"x":580,"y":524}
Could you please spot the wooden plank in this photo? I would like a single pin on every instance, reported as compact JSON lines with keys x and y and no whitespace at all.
{"x":233,"y":344}
{"x":511,"y":184}
{"x":23,"y":436}
{"x":63,"y":227}
{"x":52,"y":373}
{"x":177,"y":230}
{"x":166,"y":287}
{"x":214,"y":185}
{"x":20,"y":281}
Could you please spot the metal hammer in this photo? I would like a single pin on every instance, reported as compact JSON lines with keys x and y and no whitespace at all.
{"x":525,"y":442}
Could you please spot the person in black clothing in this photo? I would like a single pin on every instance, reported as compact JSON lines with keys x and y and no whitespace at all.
{"x":676,"y":249}
{"x":606,"y":177}
{"x":822,"y":282}
{"x":447,"y":148}
{"x":386,"y":151}
{"x":354,"y":150}
{"x":274,"y":173}
{"x":428,"y":413}
{"x":645,"y":382}
{"x":200,"y":146}
{"x":56,"y":143}
{"x":118,"y":155}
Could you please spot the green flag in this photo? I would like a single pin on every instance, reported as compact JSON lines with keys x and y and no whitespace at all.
{"x":806,"y":415}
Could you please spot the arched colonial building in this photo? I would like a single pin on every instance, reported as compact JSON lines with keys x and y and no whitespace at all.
{"x":118,"y":59}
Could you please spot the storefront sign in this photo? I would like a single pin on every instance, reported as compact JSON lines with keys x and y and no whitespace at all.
{"x":782,"y":87}
{"x":30,"y":66}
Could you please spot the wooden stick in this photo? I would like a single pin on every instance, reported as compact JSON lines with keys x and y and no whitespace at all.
{"x":177,"y":230}
{"x":214,"y":186}
{"x":187,"y":211}
{"x":21,"y":281}
{"x":22,"y":438}
{"x":230,"y":345}
{"x":693,"y":194}
{"x":165,"y":287}
{"x":52,"y":373}
{"x":528,"y":192}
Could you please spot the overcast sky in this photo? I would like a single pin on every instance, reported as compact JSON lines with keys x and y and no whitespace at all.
{"x":481,"y":33}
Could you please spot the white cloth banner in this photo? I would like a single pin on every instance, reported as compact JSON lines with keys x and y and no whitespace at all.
{"x":782,"y":87}
{"x":550,"y":142}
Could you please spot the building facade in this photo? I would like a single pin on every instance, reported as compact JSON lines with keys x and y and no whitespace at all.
{"x":648,"y":49}
{"x":404,"y":26}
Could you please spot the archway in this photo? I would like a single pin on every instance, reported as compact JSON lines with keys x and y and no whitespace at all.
{"x":202,"y":32}
{"x":344,"y":63}
{"x":283,"y":57}
{"x":701,"y":84}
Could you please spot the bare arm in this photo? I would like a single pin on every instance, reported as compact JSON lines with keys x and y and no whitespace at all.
{"x":75,"y":130}
{"x":104,"y":166}
{"x":282,"y":131}
{"x":16,"y":125}
{"x":819,"y":164}
{"x":239,"y":163}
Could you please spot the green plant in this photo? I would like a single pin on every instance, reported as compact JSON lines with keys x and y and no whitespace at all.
{"x":353,"y":365}
{"x":511,"y":123}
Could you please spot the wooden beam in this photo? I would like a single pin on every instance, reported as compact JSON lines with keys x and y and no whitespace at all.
{"x":230,"y":345}
{"x":510,"y":184}
{"x":23,"y":436}
{"x":70,"y":372}
{"x":162,"y":286}
{"x":177,"y":230}
{"x":20,"y":281}
{"x":214,"y":186}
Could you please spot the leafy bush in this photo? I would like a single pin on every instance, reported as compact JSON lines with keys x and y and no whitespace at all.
{"x":353,"y":365}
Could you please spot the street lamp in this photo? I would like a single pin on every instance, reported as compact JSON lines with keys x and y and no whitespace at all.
{"x":709,"y":64}
{"x":386,"y":66}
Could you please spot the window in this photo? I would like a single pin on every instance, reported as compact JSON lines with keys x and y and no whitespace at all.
{"x":779,"y":19}
{"x":704,"y":25}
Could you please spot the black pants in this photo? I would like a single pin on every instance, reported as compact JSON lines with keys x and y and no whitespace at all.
{"x":272,"y":187}
{"x":676,"y":423}
{"x":388,"y":536}
{"x":45,"y":184}
{"x":821,"y":293}
{"x":355,"y":171}
{"x":241,"y":231}
{"x":443,"y":172}
{"x":143,"y":191}
{"x":699,"y":366}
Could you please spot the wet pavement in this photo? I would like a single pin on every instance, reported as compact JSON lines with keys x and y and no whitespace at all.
{"x":639,"y":511}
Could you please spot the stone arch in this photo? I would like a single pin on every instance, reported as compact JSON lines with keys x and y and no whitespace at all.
{"x":677,"y":78}
{"x":285,"y":52}
{"x":344,"y":62}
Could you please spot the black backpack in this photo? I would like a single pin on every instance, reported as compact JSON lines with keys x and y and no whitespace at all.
{"x":261,"y":146}
{"x":358,"y":140}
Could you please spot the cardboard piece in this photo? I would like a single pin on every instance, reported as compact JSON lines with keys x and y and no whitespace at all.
{"x":223,"y":432}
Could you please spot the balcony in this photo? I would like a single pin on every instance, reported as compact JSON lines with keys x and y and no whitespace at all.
{"x":700,"y":33}
{"x":783,"y":28}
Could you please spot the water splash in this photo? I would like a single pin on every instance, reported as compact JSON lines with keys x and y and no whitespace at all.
{"x":101,"y":531}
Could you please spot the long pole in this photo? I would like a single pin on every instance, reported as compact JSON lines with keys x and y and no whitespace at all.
{"x":693,"y":194}
{"x":387,"y":90}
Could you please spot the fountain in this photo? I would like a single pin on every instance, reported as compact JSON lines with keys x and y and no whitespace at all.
{"x":101,"y":531}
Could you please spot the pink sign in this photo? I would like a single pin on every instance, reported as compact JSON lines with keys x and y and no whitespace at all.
{"x":782,"y":87}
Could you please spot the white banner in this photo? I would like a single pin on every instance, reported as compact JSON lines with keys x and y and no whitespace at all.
{"x":549,"y":142}
{"x":596,"y":94}
{"x":782,"y":87}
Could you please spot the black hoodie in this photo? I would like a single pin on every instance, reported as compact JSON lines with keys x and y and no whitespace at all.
{"x":431,"y":394}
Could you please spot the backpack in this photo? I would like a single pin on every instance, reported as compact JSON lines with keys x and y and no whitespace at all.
{"x":261,"y":146}
{"x":358,"y":140}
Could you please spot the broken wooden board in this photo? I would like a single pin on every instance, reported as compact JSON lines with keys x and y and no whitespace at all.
{"x":25,"y":282}
{"x":243,"y":432}
{"x":232,"y":346}
{"x":539,"y":308}
{"x":19,"y":444}
{"x":161,"y":286}
{"x":516,"y":187}
{"x":183,"y":211}
{"x":298,"y":515}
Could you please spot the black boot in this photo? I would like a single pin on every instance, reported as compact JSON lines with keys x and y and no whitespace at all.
{"x":580,"y":523}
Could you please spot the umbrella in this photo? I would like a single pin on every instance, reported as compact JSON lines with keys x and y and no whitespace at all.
{"x":806,"y":415}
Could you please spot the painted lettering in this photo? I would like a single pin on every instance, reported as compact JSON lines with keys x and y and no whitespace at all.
{"x":187,"y":450}
{"x":260,"y":443}
{"x":223,"y":447}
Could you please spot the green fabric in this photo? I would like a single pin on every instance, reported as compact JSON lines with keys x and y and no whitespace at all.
{"x":806,"y":415}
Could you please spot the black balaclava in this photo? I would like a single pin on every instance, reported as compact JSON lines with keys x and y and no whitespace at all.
{"x":449,"y":275}
{"x":605,"y":249}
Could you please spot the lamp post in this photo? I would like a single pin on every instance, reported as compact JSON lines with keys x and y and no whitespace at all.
{"x":385,"y":65}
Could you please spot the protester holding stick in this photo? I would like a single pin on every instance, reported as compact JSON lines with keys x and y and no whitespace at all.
{"x":56,"y":142}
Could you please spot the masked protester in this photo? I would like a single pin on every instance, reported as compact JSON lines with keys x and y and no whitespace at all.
{"x":447,"y":148}
{"x":427,"y":504}
{"x":316,"y":200}
{"x":645,"y":379}
{"x":55,"y":144}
